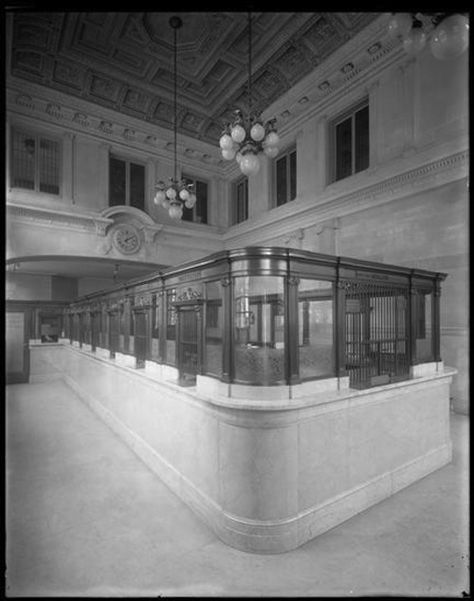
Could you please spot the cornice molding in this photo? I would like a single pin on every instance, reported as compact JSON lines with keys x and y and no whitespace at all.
{"x":53,"y":106}
{"x":331,"y":204}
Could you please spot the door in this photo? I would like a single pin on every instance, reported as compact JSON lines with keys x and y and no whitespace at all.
{"x":17,"y":352}
{"x":187,"y":345}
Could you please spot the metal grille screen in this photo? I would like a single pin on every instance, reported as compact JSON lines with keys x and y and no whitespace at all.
{"x":376,"y":333}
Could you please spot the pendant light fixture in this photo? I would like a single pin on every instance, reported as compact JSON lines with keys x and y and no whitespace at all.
{"x":177,"y":194}
{"x":247,"y":137}
{"x":447,"y":33}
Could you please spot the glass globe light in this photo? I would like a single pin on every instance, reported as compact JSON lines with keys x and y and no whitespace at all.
{"x":171,"y":193}
{"x":238,"y":157}
{"x":415,"y":41}
{"x":257,"y":132}
{"x":228,"y":154}
{"x":189,"y":204}
{"x":238,"y":133}
{"x":270,"y":151}
{"x":159,"y":197}
{"x":165,"y":203}
{"x":184,"y":194}
{"x":249,"y":164}
{"x":175,"y":211}
{"x":272,"y":139}
{"x":192,"y":199}
{"x":399,"y":25}
{"x":226,"y":142}
{"x":451,"y":38}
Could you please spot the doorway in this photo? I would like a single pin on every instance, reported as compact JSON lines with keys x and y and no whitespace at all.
{"x":17,"y":352}
{"x":188,"y":359}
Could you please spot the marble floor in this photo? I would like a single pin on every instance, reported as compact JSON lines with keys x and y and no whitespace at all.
{"x":85,"y":517}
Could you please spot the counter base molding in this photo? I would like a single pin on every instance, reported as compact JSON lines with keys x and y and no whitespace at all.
{"x":267,"y":477}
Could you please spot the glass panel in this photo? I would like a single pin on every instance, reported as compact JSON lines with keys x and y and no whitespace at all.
{"x":315,"y":324}
{"x":155,"y":328}
{"x":214,"y":325}
{"x":49,"y":167}
{"x":344,"y":149}
{"x":362,"y":139}
{"x":137,"y":186}
{"x":281,"y":181}
{"x":240,"y":212}
{"x":117,"y":182}
{"x":170,"y":355}
{"x":259,"y":329}
{"x":122,"y":319}
{"x":201,"y":203}
{"x":293,"y":175}
{"x":23,"y":161}
{"x":424,"y":338}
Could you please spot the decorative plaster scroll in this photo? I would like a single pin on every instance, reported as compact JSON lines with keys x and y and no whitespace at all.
{"x":54,"y":110}
{"x":143,"y":300}
{"x":25,"y":100}
{"x":81,"y":119}
{"x":150,"y":233}
{"x":189,"y":294}
{"x":106,"y":127}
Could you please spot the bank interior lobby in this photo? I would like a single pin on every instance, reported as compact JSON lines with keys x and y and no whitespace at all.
{"x":237,"y":304}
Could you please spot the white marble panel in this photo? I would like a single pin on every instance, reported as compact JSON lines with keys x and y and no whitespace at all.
{"x":211,"y":387}
{"x":259,"y":393}
{"x":314,"y":386}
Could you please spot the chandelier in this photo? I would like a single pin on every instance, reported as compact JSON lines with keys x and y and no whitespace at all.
{"x":177,"y":193}
{"x":248,"y":137}
{"x":447,"y":33}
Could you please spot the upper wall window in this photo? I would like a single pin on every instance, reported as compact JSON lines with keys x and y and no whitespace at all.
{"x":285,"y":177}
{"x":126,"y":183}
{"x":35,"y":162}
{"x":240,"y":200}
{"x":350,"y":142}
{"x":198,"y":213}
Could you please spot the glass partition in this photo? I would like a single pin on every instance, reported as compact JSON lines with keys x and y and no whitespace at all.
{"x":214,"y":324}
{"x":315,"y":329}
{"x":423,"y":329}
{"x":259,"y":322}
{"x":170,"y":355}
{"x":155,"y":328}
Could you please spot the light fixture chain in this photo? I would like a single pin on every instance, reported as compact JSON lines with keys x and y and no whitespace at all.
{"x":175,"y":101}
{"x":250,"y":62}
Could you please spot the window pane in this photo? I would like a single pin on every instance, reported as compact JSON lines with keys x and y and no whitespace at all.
{"x":343,"y":149}
{"x":315,"y":323}
{"x":49,"y":167}
{"x":214,"y":325}
{"x":137,"y":186}
{"x":201,"y":203}
{"x":281,"y":181}
{"x":240,"y":202}
{"x":23,"y":161}
{"x":117,"y":190}
{"x":259,"y":329}
{"x":155,"y":325}
{"x":362,"y":139}
{"x":293,"y":175}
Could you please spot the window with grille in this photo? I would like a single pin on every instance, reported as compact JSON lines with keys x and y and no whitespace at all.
{"x":126,"y":183}
{"x":285,"y":177}
{"x":240,"y":200}
{"x":35,"y":162}
{"x":198,"y":213}
{"x":350,"y":142}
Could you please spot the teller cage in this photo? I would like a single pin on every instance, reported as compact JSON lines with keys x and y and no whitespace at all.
{"x":269,"y":316}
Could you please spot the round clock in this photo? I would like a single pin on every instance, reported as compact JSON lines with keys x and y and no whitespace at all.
{"x":126,"y":239}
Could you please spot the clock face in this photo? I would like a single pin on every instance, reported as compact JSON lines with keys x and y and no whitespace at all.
{"x":126,"y":239}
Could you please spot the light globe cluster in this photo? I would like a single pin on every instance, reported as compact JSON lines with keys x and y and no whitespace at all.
{"x":245,"y":141}
{"x":174,"y":196}
{"x":447,"y":34}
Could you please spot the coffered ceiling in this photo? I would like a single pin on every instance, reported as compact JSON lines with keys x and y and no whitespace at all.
{"x":124,"y":60}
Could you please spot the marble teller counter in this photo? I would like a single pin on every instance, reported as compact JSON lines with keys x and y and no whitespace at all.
{"x":266,"y":472}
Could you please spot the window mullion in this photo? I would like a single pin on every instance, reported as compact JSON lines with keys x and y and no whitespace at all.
{"x":37,"y":162}
{"x":127,"y":183}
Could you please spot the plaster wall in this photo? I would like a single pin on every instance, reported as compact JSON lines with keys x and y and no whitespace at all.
{"x":27,"y":287}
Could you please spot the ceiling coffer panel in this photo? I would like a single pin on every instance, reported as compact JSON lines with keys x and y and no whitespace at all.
{"x":125,"y":60}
